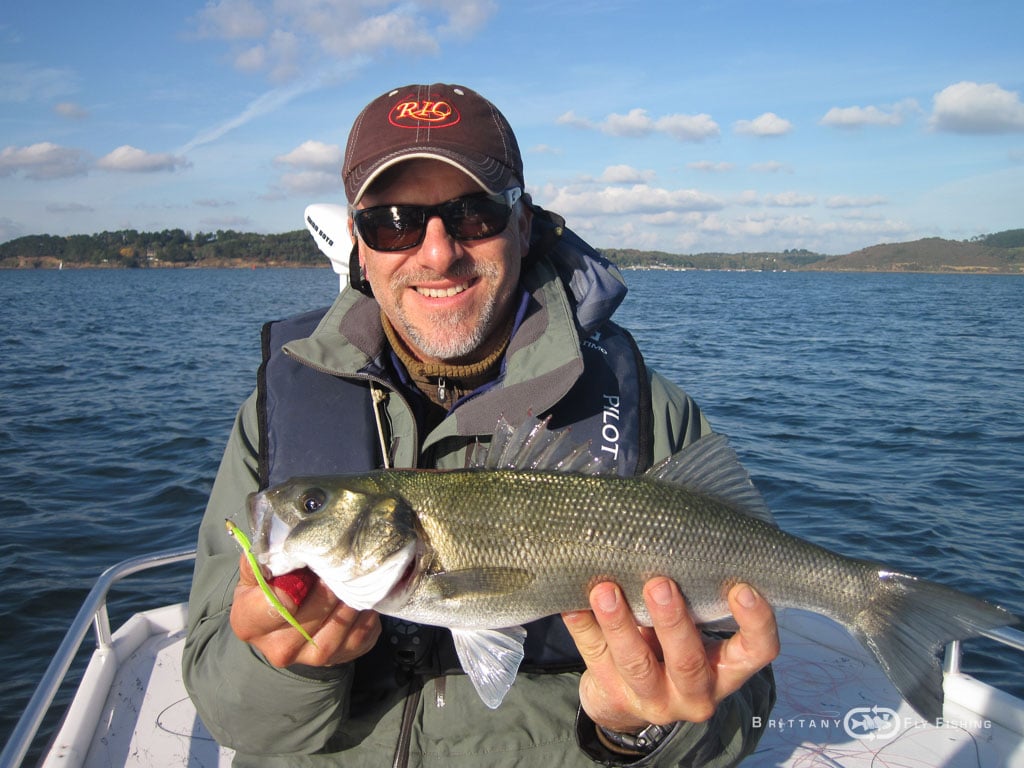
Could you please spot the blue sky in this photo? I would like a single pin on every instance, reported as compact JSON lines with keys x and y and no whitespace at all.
{"x":680,"y":125}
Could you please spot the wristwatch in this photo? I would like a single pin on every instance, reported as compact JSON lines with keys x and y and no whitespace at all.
{"x":642,"y":743}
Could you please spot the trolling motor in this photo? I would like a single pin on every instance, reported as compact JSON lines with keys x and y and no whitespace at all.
{"x":328,"y":224}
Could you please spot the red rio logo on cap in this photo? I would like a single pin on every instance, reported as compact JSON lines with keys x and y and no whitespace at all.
{"x":413,"y":113}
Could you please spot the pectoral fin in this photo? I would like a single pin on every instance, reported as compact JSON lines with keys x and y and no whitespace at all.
{"x":491,"y":658}
{"x":480,"y":582}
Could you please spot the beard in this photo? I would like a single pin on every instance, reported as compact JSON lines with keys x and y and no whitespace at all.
{"x":452,"y":334}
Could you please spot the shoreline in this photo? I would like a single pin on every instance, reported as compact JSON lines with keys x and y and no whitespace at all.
{"x":243,"y":265}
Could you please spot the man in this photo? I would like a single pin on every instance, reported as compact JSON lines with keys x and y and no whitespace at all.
{"x":470,"y":303}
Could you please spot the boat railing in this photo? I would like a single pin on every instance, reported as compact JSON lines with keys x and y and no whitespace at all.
{"x":1014,"y":638}
{"x":93,"y":612}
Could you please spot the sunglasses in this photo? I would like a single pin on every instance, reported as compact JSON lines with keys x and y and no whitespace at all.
{"x":400,"y":227}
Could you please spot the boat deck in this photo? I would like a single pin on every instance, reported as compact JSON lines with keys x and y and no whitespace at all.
{"x":835,"y":708}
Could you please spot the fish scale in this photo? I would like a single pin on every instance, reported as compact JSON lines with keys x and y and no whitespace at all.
{"x":483,"y":550}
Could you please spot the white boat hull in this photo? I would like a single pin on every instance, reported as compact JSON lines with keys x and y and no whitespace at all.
{"x":836,"y":708}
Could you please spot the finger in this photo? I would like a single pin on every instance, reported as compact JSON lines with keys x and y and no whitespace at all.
{"x":757,"y":641}
{"x":257,"y":621}
{"x":690,"y":675}
{"x":350,"y":633}
{"x":627,"y":648}
{"x":603,"y":695}
{"x":341,"y":632}
{"x":587,"y":634}
{"x":759,"y":633}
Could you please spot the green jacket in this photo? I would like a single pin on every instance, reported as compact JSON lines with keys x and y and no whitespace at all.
{"x":344,"y":717}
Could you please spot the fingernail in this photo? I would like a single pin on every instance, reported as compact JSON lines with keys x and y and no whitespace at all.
{"x":662,"y":592}
{"x":746,"y":597}
{"x":607,"y":598}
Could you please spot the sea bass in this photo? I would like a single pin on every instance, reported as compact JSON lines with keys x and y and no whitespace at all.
{"x":534,"y":525}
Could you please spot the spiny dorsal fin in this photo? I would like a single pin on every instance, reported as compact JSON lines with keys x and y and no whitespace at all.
{"x":532,"y":446}
{"x":710,"y":466}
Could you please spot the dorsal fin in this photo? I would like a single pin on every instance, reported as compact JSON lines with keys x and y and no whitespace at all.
{"x":533,"y":446}
{"x":710,"y":466}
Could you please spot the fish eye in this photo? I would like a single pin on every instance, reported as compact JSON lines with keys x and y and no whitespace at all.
{"x":312,"y":500}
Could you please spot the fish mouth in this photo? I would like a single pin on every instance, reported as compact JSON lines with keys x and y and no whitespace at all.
{"x":406,"y":579}
{"x":260,"y":515}
{"x":373,"y":589}
{"x":268,"y":536}
{"x":403,"y":588}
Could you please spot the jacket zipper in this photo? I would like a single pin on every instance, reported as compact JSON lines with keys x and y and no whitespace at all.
{"x":380,"y":390}
{"x":412,"y":701}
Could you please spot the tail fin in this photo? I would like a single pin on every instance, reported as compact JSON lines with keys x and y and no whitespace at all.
{"x":909,"y":621}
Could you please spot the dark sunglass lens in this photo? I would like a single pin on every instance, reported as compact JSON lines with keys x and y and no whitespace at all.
{"x":476,"y":218}
{"x":400,"y":227}
{"x":391,"y":228}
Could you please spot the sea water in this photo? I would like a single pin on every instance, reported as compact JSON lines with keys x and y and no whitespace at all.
{"x":881,"y":416}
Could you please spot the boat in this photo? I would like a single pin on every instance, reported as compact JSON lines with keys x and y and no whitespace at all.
{"x":835,"y":705}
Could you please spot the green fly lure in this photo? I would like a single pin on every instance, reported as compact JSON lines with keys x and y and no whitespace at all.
{"x":246,"y":545}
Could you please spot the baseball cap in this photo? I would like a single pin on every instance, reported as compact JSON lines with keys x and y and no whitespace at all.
{"x":450,"y":123}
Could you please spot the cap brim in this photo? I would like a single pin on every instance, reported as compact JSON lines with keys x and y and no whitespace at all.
{"x":481,"y":170}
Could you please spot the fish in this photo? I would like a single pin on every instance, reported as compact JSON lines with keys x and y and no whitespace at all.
{"x":535,"y":522}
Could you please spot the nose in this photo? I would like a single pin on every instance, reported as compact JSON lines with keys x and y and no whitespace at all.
{"x":439,"y":250}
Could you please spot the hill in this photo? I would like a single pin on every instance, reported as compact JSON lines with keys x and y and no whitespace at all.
{"x":931,"y":254}
{"x":1002,"y":252}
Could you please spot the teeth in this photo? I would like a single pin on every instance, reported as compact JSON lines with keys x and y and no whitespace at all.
{"x":442,"y":293}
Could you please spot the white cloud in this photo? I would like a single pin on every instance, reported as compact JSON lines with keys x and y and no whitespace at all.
{"x":572,"y":119}
{"x":977,"y":108}
{"x":626,"y":174}
{"x":689,"y":127}
{"x":314,"y":155}
{"x":706,"y":166}
{"x":232,"y":20}
{"x":768,"y":124}
{"x":639,"y":198}
{"x":769,"y":166}
{"x":44,"y":160}
{"x":789,"y":200}
{"x":70,"y":110}
{"x":311,"y":182}
{"x":637,"y":123}
{"x":544,"y":149}
{"x":133,"y":160}
{"x":20,"y":82}
{"x":317,"y":169}
{"x":252,"y":60}
{"x":399,"y":30}
{"x":857,"y":117}
{"x":465,"y":17}
{"x":842,"y":201}
{"x":288,"y":38}
{"x":304,"y":45}
{"x":748,"y":197}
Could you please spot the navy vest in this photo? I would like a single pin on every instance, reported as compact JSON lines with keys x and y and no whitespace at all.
{"x":314,"y":423}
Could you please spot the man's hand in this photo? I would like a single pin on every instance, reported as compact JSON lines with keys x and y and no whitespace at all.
{"x":637,"y":675}
{"x":341,"y":633}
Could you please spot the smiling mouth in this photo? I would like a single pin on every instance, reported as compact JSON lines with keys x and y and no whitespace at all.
{"x":442,"y":293}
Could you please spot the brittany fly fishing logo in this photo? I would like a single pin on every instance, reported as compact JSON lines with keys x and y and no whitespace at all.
{"x":871,"y":723}
{"x":419,"y":113}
